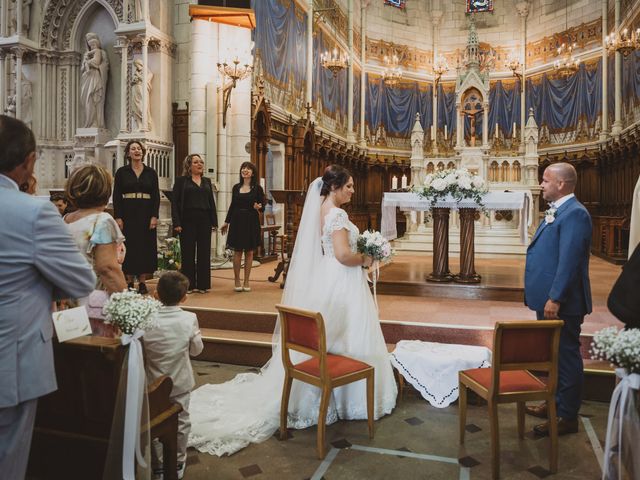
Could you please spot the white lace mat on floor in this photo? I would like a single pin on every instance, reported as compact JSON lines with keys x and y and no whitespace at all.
{"x":432,"y":368}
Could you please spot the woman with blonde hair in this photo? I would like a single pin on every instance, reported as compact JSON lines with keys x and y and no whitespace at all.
{"x":95,"y":232}
{"x":193,"y":211}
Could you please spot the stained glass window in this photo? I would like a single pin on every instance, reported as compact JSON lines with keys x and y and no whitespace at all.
{"x":475,"y":6}
{"x":395,"y":3}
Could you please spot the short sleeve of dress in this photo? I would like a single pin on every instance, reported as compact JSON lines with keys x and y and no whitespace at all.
{"x":106,"y":231}
{"x":337,"y":219}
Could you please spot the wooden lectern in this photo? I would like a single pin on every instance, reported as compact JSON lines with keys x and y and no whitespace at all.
{"x":290,"y":198}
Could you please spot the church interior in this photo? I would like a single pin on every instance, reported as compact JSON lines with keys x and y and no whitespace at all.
{"x":394,"y":91}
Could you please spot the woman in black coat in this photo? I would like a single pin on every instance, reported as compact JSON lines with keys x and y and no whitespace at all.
{"x":193,"y":211}
{"x":243,"y":222}
{"x":136,"y":201}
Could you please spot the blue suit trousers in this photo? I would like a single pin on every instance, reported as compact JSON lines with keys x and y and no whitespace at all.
{"x":570,"y":367}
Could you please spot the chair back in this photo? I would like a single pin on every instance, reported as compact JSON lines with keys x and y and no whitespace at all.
{"x":302,"y":331}
{"x":526,"y":345}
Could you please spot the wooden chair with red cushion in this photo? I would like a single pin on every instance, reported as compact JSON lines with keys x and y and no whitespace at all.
{"x":518,"y":349}
{"x":303,"y":331}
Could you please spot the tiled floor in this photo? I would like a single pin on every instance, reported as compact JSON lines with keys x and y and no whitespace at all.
{"x":416,"y":441}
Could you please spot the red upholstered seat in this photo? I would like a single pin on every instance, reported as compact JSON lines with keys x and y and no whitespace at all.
{"x":337,"y":366}
{"x":510,"y":381}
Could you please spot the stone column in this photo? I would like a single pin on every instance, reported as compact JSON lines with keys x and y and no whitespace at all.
{"x":604,"y":128}
{"x":123,"y":45}
{"x":18,"y":52}
{"x":363,"y":80}
{"x":3,"y":82}
{"x":309,"y":92}
{"x":617,"y":124}
{"x":459,"y":127}
{"x":523,"y":12}
{"x":145,"y":11}
{"x":125,"y":11}
{"x":18,"y":26}
{"x":351,"y":136}
{"x":4,"y":18}
{"x":145,"y":78}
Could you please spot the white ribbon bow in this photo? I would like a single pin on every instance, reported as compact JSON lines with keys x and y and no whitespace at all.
{"x":375,"y":274}
{"x":620,"y":395}
{"x":133,"y":407}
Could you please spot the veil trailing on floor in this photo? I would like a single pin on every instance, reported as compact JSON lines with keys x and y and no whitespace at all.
{"x":227,"y":417}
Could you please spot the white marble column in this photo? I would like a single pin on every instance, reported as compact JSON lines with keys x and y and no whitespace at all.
{"x":604,"y":129}
{"x":145,"y":79}
{"x":18,"y":22}
{"x":485,"y":124}
{"x":351,"y":136}
{"x":308,"y":100}
{"x":363,"y":77}
{"x":4,"y":17}
{"x":125,"y":11}
{"x":523,"y":11}
{"x":617,"y":123}
{"x":145,"y":10}
{"x":123,"y":45}
{"x":459,"y":127}
{"x":18,"y":52}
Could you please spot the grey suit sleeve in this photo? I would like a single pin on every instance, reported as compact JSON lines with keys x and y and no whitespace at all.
{"x":57,"y":257}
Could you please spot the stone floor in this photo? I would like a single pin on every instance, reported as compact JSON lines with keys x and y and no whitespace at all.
{"x":416,"y":441}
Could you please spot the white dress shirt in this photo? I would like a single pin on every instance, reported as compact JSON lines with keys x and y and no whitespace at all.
{"x":561,"y":200}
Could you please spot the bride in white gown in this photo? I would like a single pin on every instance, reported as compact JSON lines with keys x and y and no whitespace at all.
{"x":325,"y":275}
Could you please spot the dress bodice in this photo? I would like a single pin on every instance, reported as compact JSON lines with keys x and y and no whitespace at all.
{"x":337,"y":219}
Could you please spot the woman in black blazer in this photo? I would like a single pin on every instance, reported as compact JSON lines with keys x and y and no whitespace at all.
{"x":193,"y":211}
{"x":243,"y":222}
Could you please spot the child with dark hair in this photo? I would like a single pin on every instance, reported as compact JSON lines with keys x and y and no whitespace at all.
{"x":60,"y":201}
{"x":167,"y":349}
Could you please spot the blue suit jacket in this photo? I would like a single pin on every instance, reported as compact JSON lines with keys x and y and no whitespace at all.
{"x":558,"y":262}
{"x":38,"y":261}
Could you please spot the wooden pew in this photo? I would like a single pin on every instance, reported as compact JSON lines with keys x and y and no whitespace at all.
{"x":73,"y":424}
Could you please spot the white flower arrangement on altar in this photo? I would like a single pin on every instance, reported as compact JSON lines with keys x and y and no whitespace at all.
{"x":622,"y":348}
{"x":459,"y":183}
{"x":130,"y":311}
{"x":375,"y":245}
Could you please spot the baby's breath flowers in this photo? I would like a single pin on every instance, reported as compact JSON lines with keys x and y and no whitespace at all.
{"x":130,"y":311}
{"x":622,"y":348}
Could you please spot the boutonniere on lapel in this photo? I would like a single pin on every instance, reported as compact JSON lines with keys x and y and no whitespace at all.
{"x":550,"y":215}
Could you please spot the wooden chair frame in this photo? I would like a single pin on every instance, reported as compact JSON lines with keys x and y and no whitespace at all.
{"x":494,"y":397}
{"x":324,"y":381}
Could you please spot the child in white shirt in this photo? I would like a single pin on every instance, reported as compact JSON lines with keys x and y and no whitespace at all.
{"x":167,"y":349}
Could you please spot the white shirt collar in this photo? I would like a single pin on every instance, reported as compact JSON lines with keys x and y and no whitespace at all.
{"x":11,"y":181}
{"x":561,"y":200}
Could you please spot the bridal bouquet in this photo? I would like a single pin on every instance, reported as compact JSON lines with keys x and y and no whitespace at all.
{"x":459,"y":183}
{"x":622,"y":348}
{"x":170,"y":255}
{"x":375,"y":245}
{"x":130,"y":311}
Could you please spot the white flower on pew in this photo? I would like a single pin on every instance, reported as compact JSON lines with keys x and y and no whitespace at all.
{"x":130,"y":311}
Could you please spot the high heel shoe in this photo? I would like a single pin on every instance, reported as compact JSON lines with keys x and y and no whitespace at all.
{"x":246,"y":288}
{"x":237,"y":288}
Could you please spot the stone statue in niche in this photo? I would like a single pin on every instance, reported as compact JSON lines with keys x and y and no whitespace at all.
{"x":93,"y":83}
{"x":137,"y":93}
{"x":27,"y":95}
{"x":26,"y":16}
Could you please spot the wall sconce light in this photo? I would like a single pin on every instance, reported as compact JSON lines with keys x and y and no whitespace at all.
{"x":439,"y":68}
{"x":514,"y":65}
{"x":235,"y":72}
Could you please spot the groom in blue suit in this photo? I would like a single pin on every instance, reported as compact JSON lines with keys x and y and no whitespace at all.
{"x":556,"y":285}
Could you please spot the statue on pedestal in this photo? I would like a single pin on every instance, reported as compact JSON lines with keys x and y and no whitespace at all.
{"x":137,"y":94}
{"x":93,"y":83}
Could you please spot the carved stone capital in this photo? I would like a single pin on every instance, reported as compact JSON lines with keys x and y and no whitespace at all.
{"x":436,"y":17}
{"x":522,"y":8}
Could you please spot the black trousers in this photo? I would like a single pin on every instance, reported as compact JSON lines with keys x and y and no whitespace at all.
{"x":195,"y":242}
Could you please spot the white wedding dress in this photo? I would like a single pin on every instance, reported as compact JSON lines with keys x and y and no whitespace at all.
{"x":227,"y":417}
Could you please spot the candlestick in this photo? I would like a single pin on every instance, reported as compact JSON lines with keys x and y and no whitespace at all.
{"x":445,"y":132}
{"x":394,"y":183}
{"x":514,"y":129}
{"x":404,"y":180}
{"x":263,"y":183}
{"x":433,"y":132}
{"x":496,"y":132}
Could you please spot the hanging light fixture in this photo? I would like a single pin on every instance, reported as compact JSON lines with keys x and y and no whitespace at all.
{"x":391,"y":73}
{"x":234,"y":72}
{"x":440,"y":68}
{"x":567,"y":64}
{"x":334,"y":60}
{"x":623,"y":41}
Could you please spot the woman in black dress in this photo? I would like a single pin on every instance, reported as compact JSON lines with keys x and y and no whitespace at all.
{"x":243,"y":222}
{"x":193,"y":211}
{"x":136,"y":201}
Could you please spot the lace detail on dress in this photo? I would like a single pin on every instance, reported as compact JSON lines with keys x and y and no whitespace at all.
{"x":337,"y":219}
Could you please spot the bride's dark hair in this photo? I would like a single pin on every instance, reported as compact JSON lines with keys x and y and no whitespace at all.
{"x":335,"y":176}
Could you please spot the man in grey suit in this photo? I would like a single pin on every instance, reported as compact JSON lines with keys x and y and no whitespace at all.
{"x":39,"y":262}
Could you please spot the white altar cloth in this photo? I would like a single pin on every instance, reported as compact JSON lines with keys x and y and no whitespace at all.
{"x":432,"y":368}
{"x":520,"y":200}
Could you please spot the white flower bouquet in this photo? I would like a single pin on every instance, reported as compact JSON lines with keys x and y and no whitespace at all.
{"x":622,"y":348}
{"x":130,"y":311}
{"x":459,"y":183}
{"x":169,"y":255}
{"x":375,"y":245}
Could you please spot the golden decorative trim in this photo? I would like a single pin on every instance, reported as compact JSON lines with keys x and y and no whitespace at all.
{"x":582,"y":35}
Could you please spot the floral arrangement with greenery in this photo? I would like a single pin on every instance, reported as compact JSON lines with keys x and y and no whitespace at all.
{"x":169,"y":255}
{"x":458,"y":183}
